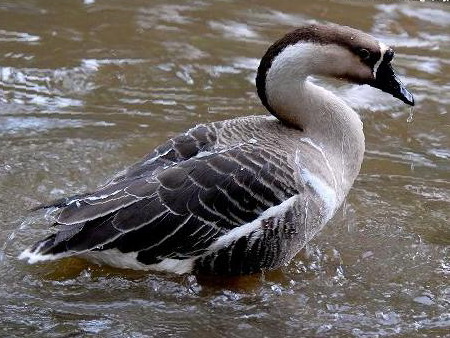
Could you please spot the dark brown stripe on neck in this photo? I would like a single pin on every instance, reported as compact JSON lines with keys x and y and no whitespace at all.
{"x":344,"y":36}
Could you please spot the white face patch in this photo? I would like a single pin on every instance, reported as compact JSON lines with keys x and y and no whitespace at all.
{"x":383,"y":49}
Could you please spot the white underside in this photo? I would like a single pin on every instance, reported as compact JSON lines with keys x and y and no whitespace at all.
{"x":114,"y":257}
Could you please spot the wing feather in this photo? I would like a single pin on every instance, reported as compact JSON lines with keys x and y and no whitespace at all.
{"x":171,"y":207}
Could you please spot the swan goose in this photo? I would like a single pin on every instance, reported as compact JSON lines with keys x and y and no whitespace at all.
{"x":243,"y":195}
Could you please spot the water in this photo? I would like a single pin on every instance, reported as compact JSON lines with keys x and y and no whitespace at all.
{"x":87,"y":88}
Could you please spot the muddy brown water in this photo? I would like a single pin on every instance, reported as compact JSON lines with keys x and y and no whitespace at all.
{"x":87,"y":88}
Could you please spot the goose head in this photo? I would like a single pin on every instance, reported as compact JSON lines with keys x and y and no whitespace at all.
{"x":327,"y":50}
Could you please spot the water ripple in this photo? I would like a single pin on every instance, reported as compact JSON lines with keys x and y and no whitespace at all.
{"x":10,"y":36}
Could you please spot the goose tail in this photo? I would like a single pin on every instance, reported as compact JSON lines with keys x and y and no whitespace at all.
{"x":41,"y":251}
{"x":52,"y":247}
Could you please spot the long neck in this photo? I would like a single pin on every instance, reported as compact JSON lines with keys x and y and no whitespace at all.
{"x":325,"y":118}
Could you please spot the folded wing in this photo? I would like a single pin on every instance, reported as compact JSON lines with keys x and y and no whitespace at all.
{"x":177,"y":207}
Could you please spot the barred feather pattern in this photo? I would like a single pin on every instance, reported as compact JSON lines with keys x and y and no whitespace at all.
{"x":226,"y":196}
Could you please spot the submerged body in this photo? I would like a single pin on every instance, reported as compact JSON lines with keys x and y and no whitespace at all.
{"x":242,"y":195}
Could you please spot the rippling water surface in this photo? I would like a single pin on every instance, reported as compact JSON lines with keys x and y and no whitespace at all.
{"x":87,"y":88}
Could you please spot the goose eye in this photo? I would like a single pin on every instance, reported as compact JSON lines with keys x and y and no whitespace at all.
{"x":364,"y":54}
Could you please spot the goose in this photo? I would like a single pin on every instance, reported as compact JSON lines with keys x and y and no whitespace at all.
{"x":243,"y":195}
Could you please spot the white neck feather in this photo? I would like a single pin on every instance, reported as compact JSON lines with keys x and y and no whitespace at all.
{"x":323,"y":116}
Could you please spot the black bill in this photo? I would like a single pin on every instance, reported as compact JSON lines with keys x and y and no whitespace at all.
{"x":388,"y":81}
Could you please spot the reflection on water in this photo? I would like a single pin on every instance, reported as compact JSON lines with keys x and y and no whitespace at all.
{"x":86,"y":88}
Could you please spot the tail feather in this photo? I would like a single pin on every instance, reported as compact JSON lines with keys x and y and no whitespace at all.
{"x":42,"y":251}
{"x":52,"y":247}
